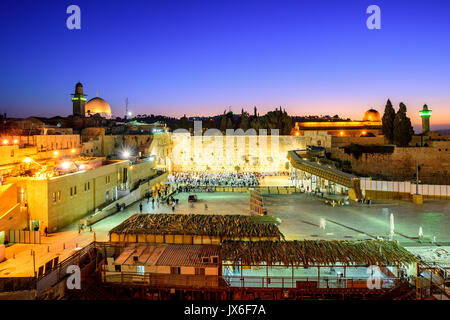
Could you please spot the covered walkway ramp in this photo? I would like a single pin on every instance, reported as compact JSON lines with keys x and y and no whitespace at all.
{"x":324,"y":176}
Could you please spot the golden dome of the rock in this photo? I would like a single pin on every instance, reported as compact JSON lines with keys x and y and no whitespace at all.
{"x":98,"y":106}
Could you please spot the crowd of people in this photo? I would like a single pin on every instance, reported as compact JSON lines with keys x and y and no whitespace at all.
{"x":193,"y":179}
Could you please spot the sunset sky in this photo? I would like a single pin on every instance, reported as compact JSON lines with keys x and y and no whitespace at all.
{"x":200,"y":57}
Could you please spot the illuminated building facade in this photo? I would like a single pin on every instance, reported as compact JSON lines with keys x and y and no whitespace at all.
{"x":369,"y":126}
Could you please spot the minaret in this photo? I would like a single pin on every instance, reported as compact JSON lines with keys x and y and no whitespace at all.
{"x":79,"y":101}
{"x":425,"y":114}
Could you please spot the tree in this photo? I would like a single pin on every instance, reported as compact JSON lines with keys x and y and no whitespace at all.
{"x":226,"y":122}
{"x":244,"y":122}
{"x":183,"y":124}
{"x":277,"y":119}
{"x":388,"y":121}
{"x":403,"y":130}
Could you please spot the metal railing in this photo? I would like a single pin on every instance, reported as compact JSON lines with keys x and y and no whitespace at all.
{"x":58,"y":273}
{"x":196,"y":281}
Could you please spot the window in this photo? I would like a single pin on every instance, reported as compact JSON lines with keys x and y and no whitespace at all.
{"x":89,"y":186}
{"x":75,"y":190}
{"x":85,"y":187}
{"x":141,"y":270}
{"x":54,"y":197}
{"x":117,"y":268}
{"x":205,"y":259}
{"x":199,"y":271}
{"x":108,"y":179}
{"x":59,"y":195}
{"x":71,"y":191}
{"x":175,"y":270}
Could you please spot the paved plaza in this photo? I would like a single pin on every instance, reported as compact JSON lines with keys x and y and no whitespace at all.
{"x":301,"y":213}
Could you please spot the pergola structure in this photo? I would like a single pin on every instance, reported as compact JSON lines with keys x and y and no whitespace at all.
{"x":297,"y":264}
{"x":330,"y":174}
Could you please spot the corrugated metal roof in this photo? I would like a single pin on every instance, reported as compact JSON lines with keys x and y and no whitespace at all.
{"x":173,"y":255}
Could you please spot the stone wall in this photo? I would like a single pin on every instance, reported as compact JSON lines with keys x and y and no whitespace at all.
{"x":337,"y":142}
{"x":434,"y":163}
{"x":233,"y":153}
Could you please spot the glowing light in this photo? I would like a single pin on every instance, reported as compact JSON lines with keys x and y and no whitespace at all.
{"x":15,"y":141}
{"x":73,"y":150}
{"x":297,"y":133}
{"x":27,"y":160}
{"x":425,"y":113}
{"x":364,"y":133}
{"x":341,"y":133}
{"x":81,"y":167}
{"x":126,"y":154}
{"x":65,"y":165}
{"x":5,"y":141}
{"x":129,"y":113}
{"x":131,"y":168}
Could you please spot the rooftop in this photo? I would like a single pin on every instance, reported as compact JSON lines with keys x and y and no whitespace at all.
{"x":168,"y":255}
{"x":316,"y":252}
{"x":235,"y":226}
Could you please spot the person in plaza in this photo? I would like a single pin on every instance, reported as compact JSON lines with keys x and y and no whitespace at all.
{"x":140,"y":207}
{"x":206,"y":206}
{"x":173,"y":206}
{"x":46,"y":231}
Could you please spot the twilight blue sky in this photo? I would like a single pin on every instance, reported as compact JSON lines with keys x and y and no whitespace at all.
{"x":199,"y":57}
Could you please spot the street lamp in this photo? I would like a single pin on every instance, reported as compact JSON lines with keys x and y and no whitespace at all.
{"x":65,"y":165}
{"x":29,"y":160}
{"x":126,"y":154}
